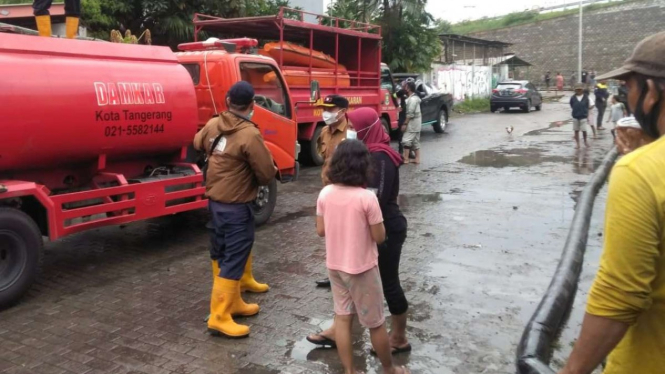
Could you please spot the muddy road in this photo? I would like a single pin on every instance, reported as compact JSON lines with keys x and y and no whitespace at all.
{"x":488,"y":214}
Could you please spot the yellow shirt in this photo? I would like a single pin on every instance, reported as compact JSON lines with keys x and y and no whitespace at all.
{"x":630,"y":284}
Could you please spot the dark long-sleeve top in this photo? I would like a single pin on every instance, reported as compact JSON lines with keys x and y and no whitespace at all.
{"x":385,"y":179}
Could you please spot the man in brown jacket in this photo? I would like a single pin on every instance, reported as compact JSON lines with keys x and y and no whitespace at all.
{"x":238,"y":164}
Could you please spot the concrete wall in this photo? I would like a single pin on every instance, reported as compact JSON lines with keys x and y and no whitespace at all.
{"x":610,"y":35}
{"x":461,"y":81}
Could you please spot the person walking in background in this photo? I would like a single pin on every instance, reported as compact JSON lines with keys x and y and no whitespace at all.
{"x":559,"y":82}
{"x":573,"y":81}
{"x":592,"y":78}
{"x":617,"y":112}
{"x":626,"y":304}
{"x":402,"y":96}
{"x":585,"y":76}
{"x":580,"y":105}
{"x":601,"y":95}
{"x":548,"y":79}
{"x":590,"y":118}
{"x":413,"y":124}
{"x":349,"y":217}
{"x":622,"y":95}
{"x":239,"y":162}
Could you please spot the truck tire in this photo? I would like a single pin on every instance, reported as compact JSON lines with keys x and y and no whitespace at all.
{"x":386,"y":125}
{"x":310,"y":153}
{"x":265,"y":203}
{"x":21,"y":248}
{"x":442,"y":121}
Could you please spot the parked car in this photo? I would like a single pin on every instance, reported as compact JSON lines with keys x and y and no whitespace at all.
{"x":520,"y":94}
{"x":435,"y":106}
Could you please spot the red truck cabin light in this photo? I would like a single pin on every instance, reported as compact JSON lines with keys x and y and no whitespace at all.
{"x":229,"y":45}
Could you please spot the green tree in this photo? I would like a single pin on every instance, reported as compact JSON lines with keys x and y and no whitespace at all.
{"x":410,"y":35}
{"x":443,"y":26}
{"x":169,"y":20}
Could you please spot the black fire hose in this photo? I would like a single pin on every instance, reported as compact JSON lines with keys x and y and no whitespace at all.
{"x":535,"y":349}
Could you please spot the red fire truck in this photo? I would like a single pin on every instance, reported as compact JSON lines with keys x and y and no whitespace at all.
{"x":343,"y":56}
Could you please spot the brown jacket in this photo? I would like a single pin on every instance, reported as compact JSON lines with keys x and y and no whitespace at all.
{"x":241,"y":161}
{"x":327,"y":142}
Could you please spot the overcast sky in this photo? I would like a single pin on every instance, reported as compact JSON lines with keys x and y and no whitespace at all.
{"x":455,"y":11}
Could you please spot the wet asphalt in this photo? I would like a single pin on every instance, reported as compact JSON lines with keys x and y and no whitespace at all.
{"x":488,"y":215}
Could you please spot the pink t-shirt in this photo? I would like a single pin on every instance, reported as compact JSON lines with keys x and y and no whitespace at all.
{"x":347,"y":213}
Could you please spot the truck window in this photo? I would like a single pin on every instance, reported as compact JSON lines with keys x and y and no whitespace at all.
{"x":268,"y":86}
{"x":386,"y":82}
{"x":195,"y":71}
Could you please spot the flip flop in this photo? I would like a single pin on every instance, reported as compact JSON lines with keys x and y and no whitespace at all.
{"x":394,"y":350}
{"x":323,"y":341}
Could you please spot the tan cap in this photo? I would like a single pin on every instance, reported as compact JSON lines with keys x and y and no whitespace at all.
{"x":647,"y":59}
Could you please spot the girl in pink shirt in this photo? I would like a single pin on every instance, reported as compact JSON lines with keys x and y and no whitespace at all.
{"x":349,"y":217}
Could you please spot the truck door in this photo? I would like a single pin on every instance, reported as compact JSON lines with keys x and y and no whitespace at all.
{"x":426,"y":104}
{"x":273,"y":111}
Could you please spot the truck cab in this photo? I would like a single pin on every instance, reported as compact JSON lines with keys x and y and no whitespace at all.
{"x":215,"y":65}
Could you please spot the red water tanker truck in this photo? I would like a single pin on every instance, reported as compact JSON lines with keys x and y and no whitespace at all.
{"x":94,"y":134}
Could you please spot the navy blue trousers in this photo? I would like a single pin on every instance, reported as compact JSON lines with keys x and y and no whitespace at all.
{"x":231,"y":237}
{"x":72,"y":7}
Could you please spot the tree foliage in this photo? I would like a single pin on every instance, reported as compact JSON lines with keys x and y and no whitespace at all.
{"x":169,"y":20}
{"x":410,"y":36}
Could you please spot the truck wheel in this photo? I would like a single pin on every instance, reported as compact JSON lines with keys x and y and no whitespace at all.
{"x":265,"y":203}
{"x":386,"y":126}
{"x":310,"y":152}
{"x":21,"y":247}
{"x":441,"y":123}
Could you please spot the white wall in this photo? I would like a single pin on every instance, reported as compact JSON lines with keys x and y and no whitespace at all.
{"x":462,"y":81}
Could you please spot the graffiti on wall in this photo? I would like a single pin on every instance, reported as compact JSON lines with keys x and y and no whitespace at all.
{"x":464,"y":81}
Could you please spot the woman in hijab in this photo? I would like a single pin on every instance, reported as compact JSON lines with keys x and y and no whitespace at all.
{"x":385,"y":181}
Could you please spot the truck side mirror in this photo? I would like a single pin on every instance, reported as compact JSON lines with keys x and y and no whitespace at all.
{"x":315,"y":92}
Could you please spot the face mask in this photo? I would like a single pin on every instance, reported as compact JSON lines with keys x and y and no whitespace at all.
{"x":330,"y":118}
{"x":350,"y":134}
{"x":648,"y":122}
{"x":250,"y":115}
{"x":367,"y":129}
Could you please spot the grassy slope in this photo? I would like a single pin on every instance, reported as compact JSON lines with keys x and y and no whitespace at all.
{"x":521,"y":18}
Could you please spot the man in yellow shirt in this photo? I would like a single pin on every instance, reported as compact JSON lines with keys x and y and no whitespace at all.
{"x":625,"y":314}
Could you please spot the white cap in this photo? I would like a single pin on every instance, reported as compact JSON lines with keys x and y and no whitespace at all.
{"x":629,"y":122}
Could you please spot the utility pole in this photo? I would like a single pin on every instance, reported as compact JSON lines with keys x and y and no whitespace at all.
{"x":579,"y":57}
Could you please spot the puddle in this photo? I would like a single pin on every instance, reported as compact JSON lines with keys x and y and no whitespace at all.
{"x":552,"y":125}
{"x":509,"y":158}
{"x":406,"y":199}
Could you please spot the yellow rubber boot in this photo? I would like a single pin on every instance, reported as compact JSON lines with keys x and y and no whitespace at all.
{"x":43,"y":25}
{"x":248,"y":283}
{"x":239,"y":308}
{"x":71,"y":27}
{"x":224,"y":293}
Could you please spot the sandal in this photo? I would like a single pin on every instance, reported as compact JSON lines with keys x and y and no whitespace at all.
{"x":323,"y":341}
{"x":394,"y":350}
